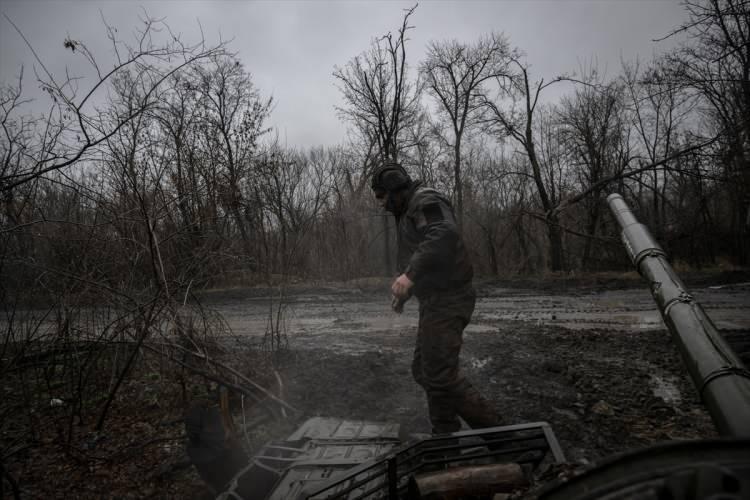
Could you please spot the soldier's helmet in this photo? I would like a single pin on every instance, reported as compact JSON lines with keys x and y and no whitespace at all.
{"x":390,"y":177}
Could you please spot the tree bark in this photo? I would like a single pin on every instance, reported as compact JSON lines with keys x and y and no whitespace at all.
{"x":469,"y":481}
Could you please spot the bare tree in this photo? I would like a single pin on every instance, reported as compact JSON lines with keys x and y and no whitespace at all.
{"x":715,"y":64}
{"x":454,"y":75}
{"x":178,"y":116}
{"x":499,"y":212}
{"x":427,"y":152}
{"x":344,"y":230}
{"x":74,"y":127}
{"x":294,"y":189}
{"x":233,"y":116}
{"x":518,"y":123}
{"x":595,"y":137}
{"x":379,"y":98}
{"x":658,"y":109}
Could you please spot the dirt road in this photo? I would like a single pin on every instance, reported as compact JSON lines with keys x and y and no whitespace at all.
{"x":595,"y":362}
{"x":350,"y":319}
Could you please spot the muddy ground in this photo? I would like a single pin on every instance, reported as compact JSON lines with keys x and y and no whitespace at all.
{"x":589,"y":355}
{"x":592,"y":357}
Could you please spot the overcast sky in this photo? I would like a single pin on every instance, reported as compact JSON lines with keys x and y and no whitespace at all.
{"x":291,"y":47}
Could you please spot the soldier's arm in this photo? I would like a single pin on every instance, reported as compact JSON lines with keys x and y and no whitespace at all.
{"x":435,"y":221}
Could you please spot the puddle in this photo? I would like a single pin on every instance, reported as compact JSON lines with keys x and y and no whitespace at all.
{"x":478,"y":364}
{"x":665,"y":388}
{"x":351,"y":318}
{"x":477,"y":328}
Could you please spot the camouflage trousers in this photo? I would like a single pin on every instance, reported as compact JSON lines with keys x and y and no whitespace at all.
{"x":442,"y":319}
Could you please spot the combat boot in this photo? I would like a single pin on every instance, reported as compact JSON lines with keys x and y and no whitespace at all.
{"x":443,"y":415}
{"x":476,"y":411}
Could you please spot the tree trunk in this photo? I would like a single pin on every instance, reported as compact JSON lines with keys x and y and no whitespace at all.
{"x":468,"y":481}
{"x":492,"y":251}
{"x":557,"y":262}
{"x":458,"y":185}
{"x":591,"y":223}
{"x":523,"y":248}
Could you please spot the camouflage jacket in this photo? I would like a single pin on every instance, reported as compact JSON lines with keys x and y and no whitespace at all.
{"x":430,"y":248}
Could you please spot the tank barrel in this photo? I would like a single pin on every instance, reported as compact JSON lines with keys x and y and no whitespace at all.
{"x":720,"y":377}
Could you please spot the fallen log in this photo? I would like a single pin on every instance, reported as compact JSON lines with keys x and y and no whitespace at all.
{"x":459,"y":482}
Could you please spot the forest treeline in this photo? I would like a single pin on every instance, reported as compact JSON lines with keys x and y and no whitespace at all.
{"x":162,"y":173}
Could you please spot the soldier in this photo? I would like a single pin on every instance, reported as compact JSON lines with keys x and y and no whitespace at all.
{"x":434,"y":266}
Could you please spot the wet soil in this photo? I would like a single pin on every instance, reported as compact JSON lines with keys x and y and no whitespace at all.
{"x":592,"y":358}
{"x":590,"y":355}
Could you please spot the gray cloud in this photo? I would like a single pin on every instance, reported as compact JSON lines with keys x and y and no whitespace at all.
{"x":291,"y":47}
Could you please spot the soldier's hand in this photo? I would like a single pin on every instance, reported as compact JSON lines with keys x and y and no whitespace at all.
{"x":397,"y":304}
{"x":401,"y":288}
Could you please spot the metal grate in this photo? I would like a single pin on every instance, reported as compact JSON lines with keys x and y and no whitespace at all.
{"x":387,"y":476}
{"x":333,"y":458}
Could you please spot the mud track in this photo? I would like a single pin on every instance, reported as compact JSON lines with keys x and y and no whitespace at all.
{"x":594,"y":361}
